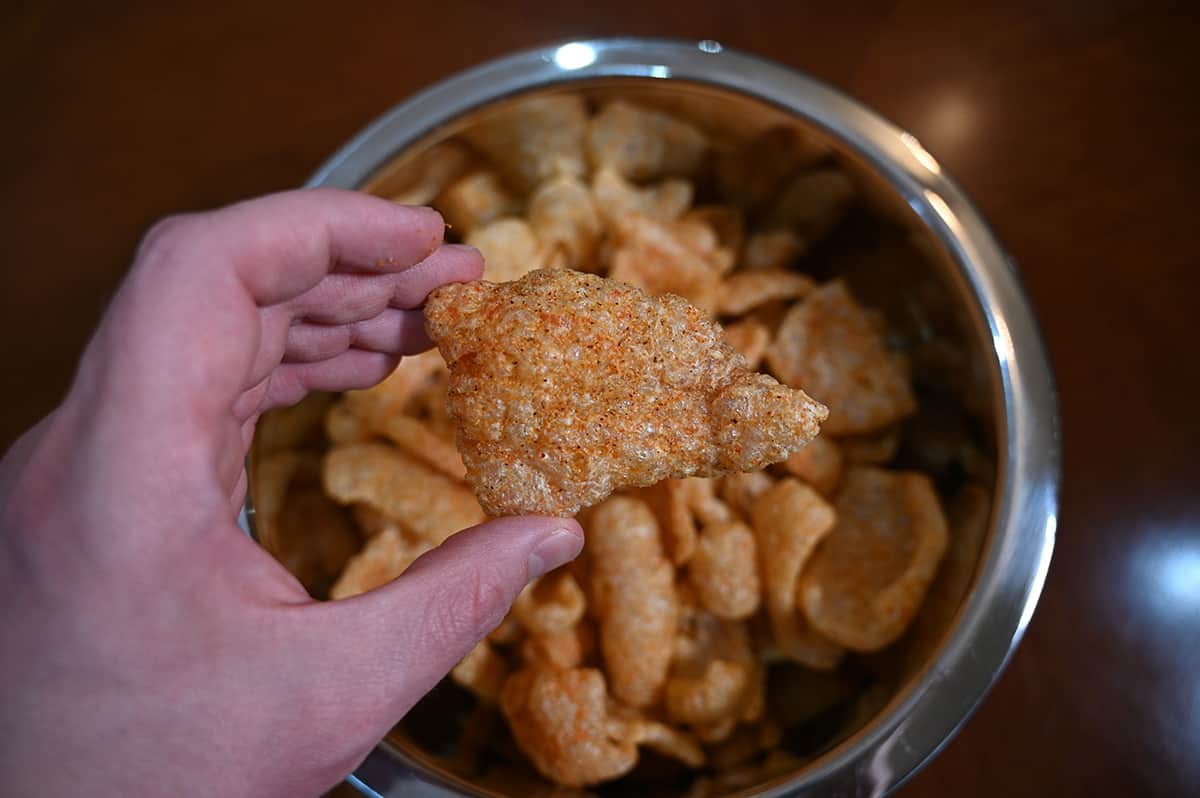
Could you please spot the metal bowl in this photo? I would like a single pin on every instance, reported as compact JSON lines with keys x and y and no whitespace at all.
{"x":1007,"y":386}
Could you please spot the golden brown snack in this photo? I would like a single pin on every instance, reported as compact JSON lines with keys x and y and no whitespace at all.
{"x":532,"y":140}
{"x":747,"y":290}
{"x":316,"y":538}
{"x":790,"y":520}
{"x":828,"y":344}
{"x":643,"y":143}
{"x":386,"y":556}
{"x":663,"y":258}
{"x":433,"y":506}
{"x":773,"y":249}
{"x":482,"y":671}
{"x":634,"y":589}
{"x":750,"y":338}
{"x":566,"y":649}
{"x":740,"y":491}
{"x":474,"y":200}
{"x":551,"y":604}
{"x":509,"y":248}
{"x":566,"y":386}
{"x":724,"y":571}
{"x":820,"y":464}
{"x":563,"y":214}
{"x":390,"y":397}
{"x":561,"y":721}
{"x":669,"y":501}
{"x":866,"y":582}
{"x":418,"y":179}
{"x":878,"y":448}
{"x":615,"y":196}
{"x":714,"y":677}
{"x":417,"y":438}
{"x":292,"y":427}
{"x":811,"y":203}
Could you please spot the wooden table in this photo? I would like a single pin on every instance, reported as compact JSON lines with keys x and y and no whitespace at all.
{"x":1074,"y":125}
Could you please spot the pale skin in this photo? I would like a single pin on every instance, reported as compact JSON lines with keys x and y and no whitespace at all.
{"x":147,"y":646}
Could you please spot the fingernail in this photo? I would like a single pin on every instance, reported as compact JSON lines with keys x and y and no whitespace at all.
{"x":559,"y":547}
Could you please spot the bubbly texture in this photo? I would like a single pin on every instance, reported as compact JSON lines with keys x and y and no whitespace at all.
{"x":566,"y":386}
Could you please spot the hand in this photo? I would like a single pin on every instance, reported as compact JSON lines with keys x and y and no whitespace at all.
{"x":147,"y":646}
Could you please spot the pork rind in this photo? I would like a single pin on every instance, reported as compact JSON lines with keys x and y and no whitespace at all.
{"x":418,"y":180}
{"x":879,"y":448}
{"x":715,"y":677}
{"x":866,"y":582}
{"x":724,"y":570}
{"x":386,"y":556}
{"x":561,"y":721}
{"x":509,"y":247}
{"x":415,"y":437}
{"x":552,"y":604}
{"x":828,"y":344}
{"x":391,"y":397}
{"x":749,"y":338}
{"x":615,"y":197}
{"x":772,"y":249}
{"x":432,"y":506}
{"x":669,"y":501}
{"x":566,"y":386}
{"x":482,"y":671}
{"x":643,"y":143}
{"x":291,"y":427}
{"x":747,"y":290}
{"x":790,"y":520}
{"x":534,"y":139}
{"x":811,"y":203}
{"x":634,"y":589}
{"x":476,"y":199}
{"x":700,"y":496}
{"x":315,"y":538}
{"x":751,"y":175}
{"x":820,"y":464}
{"x":740,"y":491}
{"x":666,"y":258}
{"x":563,"y":215}
{"x":570,"y":648}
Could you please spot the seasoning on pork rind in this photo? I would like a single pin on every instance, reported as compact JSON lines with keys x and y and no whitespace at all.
{"x":315,"y":538}
{"x":643,"y":143}
{"x":713,"y":671}
{"x":724,"y":570}
{"x":560,"y":720}
{"x":663,"y":258}
{"x":566,"y":386}
{"x":386,"y":556}
{"x":534,"y":139}
{"x":343,"y":425}
{"x":551,"y":604}
{"x":750,"y":338}
{"x":615,"y":196}
{"x":789,"y":521}
{"x":432,"y":505}
{"x":635,"y":590}
{"x":772,"y":249}
{"x":700,"y":495}
{"x":811,"y":203}
{"x":828,"y":344}
{"x":820,"y":464}
{"x":509,"y":248}
{"x":865,"y":583}
{"x":415,"y":437}
{"x":482,"y":671}
{"x":474,"y":200}
{"x":740,"y":491}
{"x":570,"y":648}
{"x":419,"y":179}
{"x":747,"y":290}
{"x":563,"y":214}
{"x":669,"y":501}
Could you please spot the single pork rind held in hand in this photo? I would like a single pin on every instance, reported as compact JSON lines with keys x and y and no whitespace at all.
{"x":566,"y":386}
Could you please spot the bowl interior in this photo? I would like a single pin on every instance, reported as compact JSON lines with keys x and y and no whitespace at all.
{"x":893,"y":262}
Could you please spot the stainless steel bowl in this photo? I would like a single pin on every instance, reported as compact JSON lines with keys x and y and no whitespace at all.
{"x":1014,"y":394}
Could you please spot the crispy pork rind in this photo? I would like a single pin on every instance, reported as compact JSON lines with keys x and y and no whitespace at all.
{"x":740,"y":491}
{"x":811,"y":203}
{"x":746,"y":290}
{"x":418,"y":180}
{"x":634,"y":589}
{"x":386,"y":556}
{"x":563,"y":215}
{"x":551,"y":604}
{"x":432,"y":506}
{"x":476,"y":199}
{"x":700,"y":496}
{"x":790,"y":520}
{"x":560,"y":720}
{"x":482,"y":671}
{"x":749,"y":176}
{"x":390,"y":398}
{"x":534,"y":139}
{"x":878,"y":448}
{"x":772,"y":249}
{"x":274,"y":474}
{"x":509,"y":247}
{"x":866,"y":581}
{"x":570,"y":648}
{"x":614,"y":197}
{"x":669,"y":502}
{"x":566,"y":386}
{"x":643,"y":143}
{"x":750,"y":338}
{"x":292,"y":427}
{"x":316,"y":538}
{"x":418,"y":439}
{"x":820,"y":464}
{"x":668,"y":258}
{"x":724,"y":570}
{"x":829,"y":344}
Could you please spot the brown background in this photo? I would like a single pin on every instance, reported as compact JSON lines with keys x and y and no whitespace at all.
{"x":1074,"y":125}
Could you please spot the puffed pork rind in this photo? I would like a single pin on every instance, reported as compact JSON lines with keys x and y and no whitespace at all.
{"x":644,"y":143}
{"x":832,"y":347}
{"x":566,"y":386}
{"x":534,"y":139}
{"x":866,"y":582}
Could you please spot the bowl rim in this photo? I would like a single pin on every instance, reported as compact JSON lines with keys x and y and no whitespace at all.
{"x":924,"y":716}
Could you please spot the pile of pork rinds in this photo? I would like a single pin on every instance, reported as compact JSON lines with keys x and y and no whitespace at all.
{"x":660,"y":636}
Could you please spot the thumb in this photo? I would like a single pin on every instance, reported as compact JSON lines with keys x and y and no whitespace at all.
{"x":408,"y":634}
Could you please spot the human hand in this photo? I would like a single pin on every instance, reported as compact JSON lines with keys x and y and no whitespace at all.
{"x":147,"y":646}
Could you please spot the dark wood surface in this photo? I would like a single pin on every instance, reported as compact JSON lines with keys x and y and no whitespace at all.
{"x":1073,"y":124}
